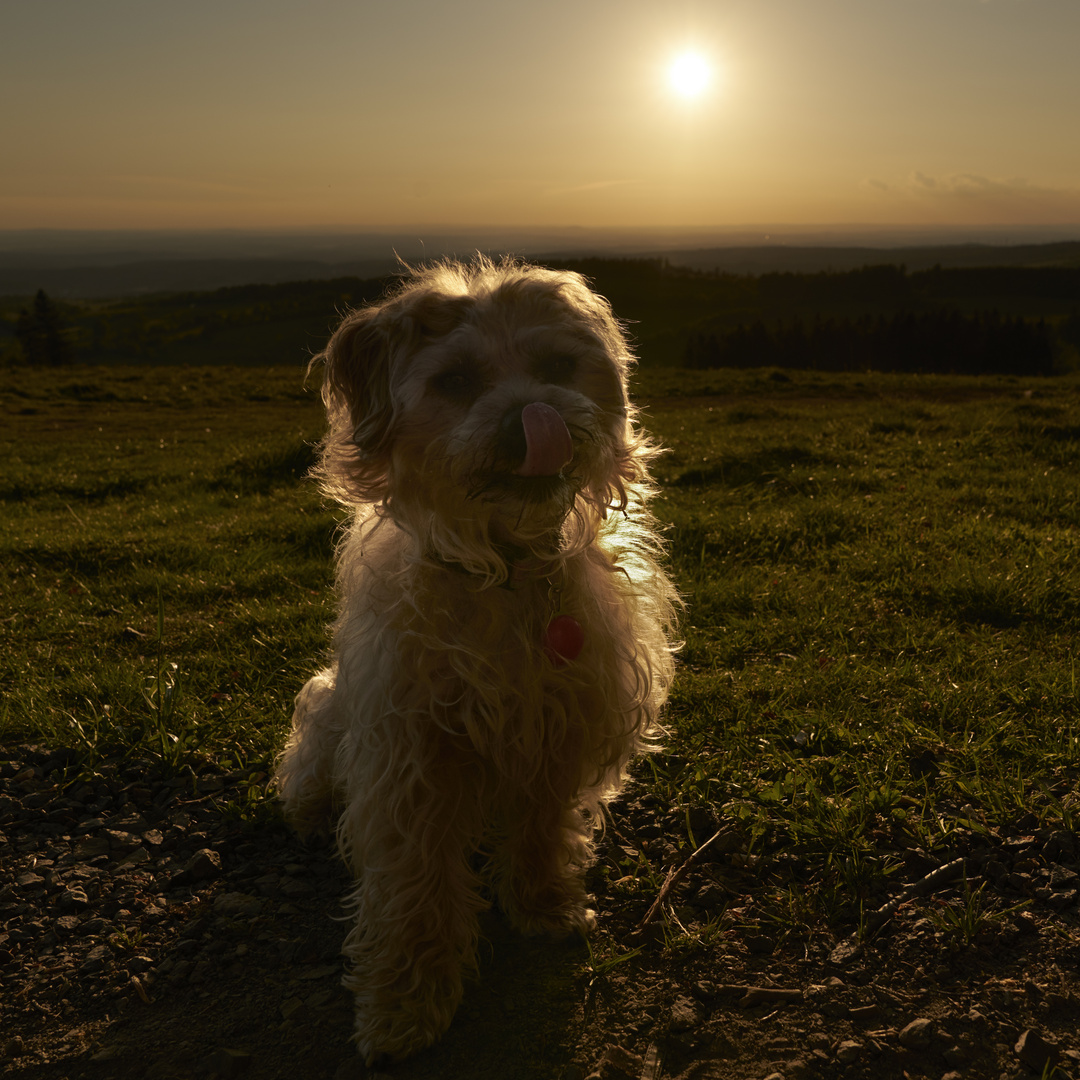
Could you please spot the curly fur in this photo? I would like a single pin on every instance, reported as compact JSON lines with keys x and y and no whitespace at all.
{"x":451,"y":748}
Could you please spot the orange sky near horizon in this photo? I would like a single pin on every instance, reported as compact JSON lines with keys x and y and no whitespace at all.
{"x":277,"y":113}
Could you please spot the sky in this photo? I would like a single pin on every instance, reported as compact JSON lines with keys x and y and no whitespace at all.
{"x":451,"y":113}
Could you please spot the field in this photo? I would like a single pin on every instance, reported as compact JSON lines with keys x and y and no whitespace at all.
{"x":882,"y":585}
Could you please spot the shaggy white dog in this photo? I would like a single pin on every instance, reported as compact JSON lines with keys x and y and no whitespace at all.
{"x":503,"y":644}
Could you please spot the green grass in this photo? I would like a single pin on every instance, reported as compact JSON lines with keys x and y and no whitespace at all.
{"x":133,"y":494}
{"x":881,"y":576}
{"x":883,"y":609}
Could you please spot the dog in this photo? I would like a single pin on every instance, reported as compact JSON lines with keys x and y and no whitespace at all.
{"x":504,"y":641}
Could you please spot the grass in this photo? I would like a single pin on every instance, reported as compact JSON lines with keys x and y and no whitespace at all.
{"x":884,"y":605}
{"x":881,"y":575}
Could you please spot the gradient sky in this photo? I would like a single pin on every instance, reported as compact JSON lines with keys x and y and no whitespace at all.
{"x":263,"y":113}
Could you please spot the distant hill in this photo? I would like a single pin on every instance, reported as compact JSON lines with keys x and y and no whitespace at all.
{"x":145,"y":277}
{"x":793,"y":258}
{"x":73,"y":265}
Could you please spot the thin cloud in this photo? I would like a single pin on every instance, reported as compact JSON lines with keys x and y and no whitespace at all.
{"x":999,"y":198}
{"x":595,"y":185}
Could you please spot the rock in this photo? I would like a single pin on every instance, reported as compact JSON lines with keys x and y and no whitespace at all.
{"x":237,"y":905}
{"x":684,"y":1014}
{"x":760,"y":944}
{"x":73,"y":897}
{"x":295,"y":1010}
{"x":95,"y":960}
{"x":295,"y":890}
{"x":848,"y":1051}
{"x":203,"y":865}
{"x":1035,"y":1052}
{"x":917,"y":1034}
{"x":618,"y":1063}
{"x":956,"y":1056}
{"x":227,"y":1063}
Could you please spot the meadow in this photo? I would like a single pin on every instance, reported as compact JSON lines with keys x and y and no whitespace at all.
{"x":881,"y":577}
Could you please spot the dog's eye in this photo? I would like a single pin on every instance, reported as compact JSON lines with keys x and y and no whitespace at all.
{"x":456,"y":383}
{"x":557,"y":369}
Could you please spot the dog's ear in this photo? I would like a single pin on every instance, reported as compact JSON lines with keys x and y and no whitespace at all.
{"x":359,"y":407}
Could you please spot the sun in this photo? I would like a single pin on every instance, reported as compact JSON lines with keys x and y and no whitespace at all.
{"x":689,"y":75}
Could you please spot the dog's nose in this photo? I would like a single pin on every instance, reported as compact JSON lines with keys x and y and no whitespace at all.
{"x":538,"y":436}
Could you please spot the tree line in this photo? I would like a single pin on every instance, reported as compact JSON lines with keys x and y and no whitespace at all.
{"x":942,"y":342}
{"x":975,"y":320}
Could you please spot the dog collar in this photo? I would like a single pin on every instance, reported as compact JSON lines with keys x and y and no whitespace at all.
{"x":564,"y":636}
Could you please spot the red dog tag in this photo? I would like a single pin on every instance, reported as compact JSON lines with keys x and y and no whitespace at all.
{"x":563,"y":639}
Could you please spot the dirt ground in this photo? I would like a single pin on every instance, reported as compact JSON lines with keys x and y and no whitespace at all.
{"x":146,"y":931}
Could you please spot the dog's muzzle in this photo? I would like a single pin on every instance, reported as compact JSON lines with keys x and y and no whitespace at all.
{"x":537,"y":436}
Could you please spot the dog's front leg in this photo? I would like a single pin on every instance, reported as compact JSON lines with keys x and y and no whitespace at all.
{"x":416,"y":902}
{"x":541,"y":871}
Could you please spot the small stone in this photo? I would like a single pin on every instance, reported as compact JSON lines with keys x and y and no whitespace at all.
{"x":73,"y":897}
{"x":295,"y":890}
{"x":119,"y":840}
{"x":916,"y":1036}
{"x":237,"y":905}
{"x":95,"y":960}
{"x":684,"y":1014}
{"x":956,"y":1056}
{"x":203,"y":865}
{"x":293,"y":1009}
{"x":1035,"y":1052}
{"x":137,"y":858}
{"x":92,"y":848}
{"x":618,"y":1063}
{"x":848,"y":1051}
{"x":1061,"y":877}
{"x":760,"y":944}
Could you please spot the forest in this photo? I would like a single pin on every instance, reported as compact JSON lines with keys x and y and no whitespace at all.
{"x":977,"y":320}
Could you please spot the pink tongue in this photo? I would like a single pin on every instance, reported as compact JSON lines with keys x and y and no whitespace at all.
{"x":548,"y":446}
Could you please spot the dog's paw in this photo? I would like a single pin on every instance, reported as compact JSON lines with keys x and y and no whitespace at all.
{"x":561,"y":923}
{"x":392,"y":1024}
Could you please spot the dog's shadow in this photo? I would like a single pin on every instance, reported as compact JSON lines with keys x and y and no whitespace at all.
{"x":254,"y":991}
{"x":521,"y":1016}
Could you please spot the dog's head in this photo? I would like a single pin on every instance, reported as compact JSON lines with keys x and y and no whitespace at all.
{"x":484,"y":407}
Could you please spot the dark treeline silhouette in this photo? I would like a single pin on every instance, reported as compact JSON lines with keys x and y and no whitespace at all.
{"x":42,"y":335}
{"x":973,"y":320}
{"x":943,"y":342}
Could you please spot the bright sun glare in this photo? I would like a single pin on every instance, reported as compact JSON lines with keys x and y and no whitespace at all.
{"x":689,"y":74}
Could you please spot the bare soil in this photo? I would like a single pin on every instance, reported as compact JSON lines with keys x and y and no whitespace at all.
{"x":146,"y":930}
